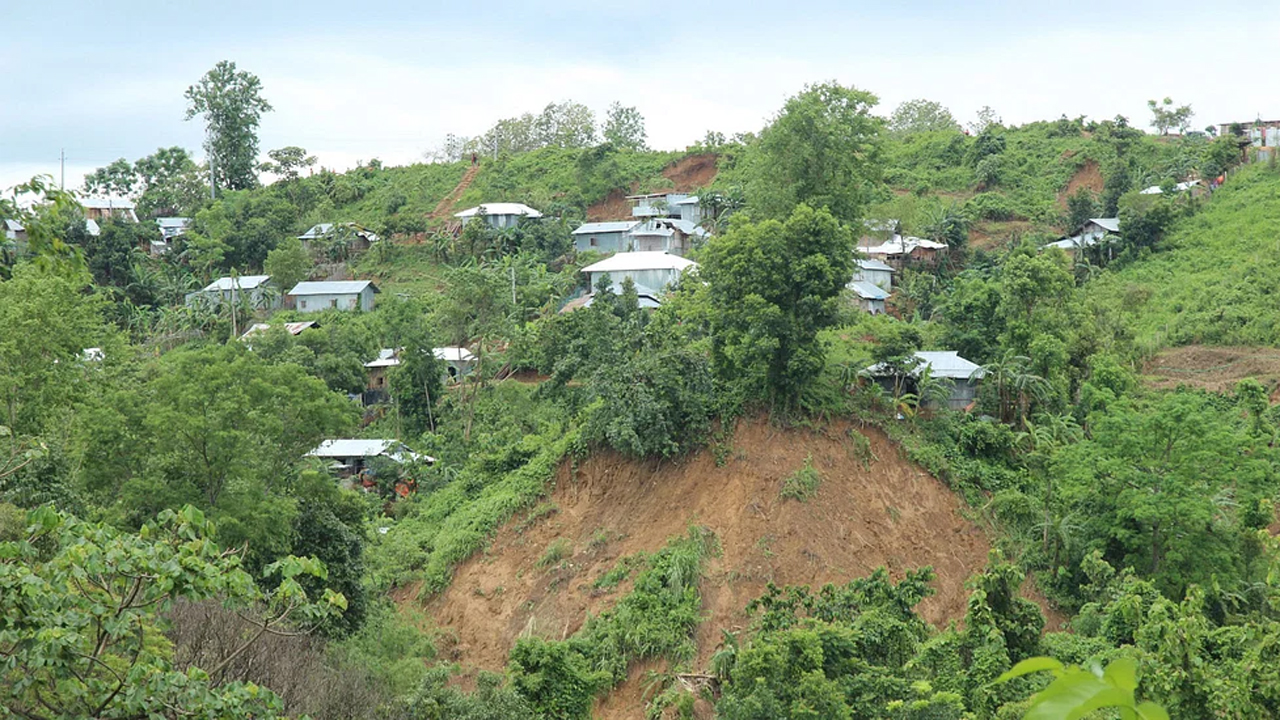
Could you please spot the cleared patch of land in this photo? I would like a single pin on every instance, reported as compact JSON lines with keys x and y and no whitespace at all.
{"x":1216,"y":369}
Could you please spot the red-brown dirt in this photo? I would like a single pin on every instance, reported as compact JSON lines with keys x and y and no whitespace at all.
{"x":890,"y":513}
{"x":1216,"y":369}
{"x":1088,"y":176}
{"x":688,"y":174}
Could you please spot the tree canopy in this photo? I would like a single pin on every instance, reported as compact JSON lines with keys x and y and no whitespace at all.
{"x":231,"y":103}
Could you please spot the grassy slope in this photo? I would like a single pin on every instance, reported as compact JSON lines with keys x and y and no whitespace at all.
{"x":1218,"y":281}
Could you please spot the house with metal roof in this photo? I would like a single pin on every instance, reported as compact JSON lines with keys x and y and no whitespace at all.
{"x":1090,"y":234}
{"x":352,"y":456}
{"x":1180,"y":187}
{"x":947,"y":365}
{"x":308,"y":297}
{"x":899,"y":249}
{"x":646,"y":269}
{"x":98,"y":208}
{"x":499,"y":215}
{"x":613,"y":236}
{"x":13,"y":230}
{"x":874,"y":272}
{"x":293,"y":328}
{"x":257,"y":291}
{"x":359,"y":237}
{"x":870,"y":297}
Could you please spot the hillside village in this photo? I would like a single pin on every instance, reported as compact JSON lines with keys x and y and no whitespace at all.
{"x":782,"y":425}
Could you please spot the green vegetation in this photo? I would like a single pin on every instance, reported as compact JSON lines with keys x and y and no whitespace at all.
{"x":803,"y":483}
{"x":1145,"y":516}
{"x":656,"y":619}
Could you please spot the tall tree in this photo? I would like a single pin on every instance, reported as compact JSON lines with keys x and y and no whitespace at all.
{"x":1165,"y":116}
{"x":920,"y":115}
{"x":624,"y":128}
{"x":231,"y":103}
{"x":164,"y":183}
{"x":773,"y":286}
{"x":287,"y":162}
{"x":823,"y":149}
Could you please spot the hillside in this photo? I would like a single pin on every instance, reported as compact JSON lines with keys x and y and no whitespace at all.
{"x":887,"y":512}
{"x":1216,"y":281}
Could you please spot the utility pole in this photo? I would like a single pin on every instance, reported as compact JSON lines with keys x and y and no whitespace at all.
{"x":62,"y":163}
{"x":513,"y":285}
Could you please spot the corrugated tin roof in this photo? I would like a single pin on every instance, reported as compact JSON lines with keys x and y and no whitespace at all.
{"x":292,"y":328}
{"x":1180,"y":187}
{"x":500,"y":209}
{"x":357,"y":448}
{"x":867,"y":291}
{"x":386,"y":358}
{"x":605,"y":227}
{"x":173,"y":222}
{"x":941,"y":364}
{"x":332,"y":287}
{"x":106,"y":203}
{"x":1108,"y":224}
{"x":873,"y":264}
{"x":1075,"y":242}
{"x":91,"y":227}
{"x":13,"y":225}
{"x":688,"y":227}
{"x":691,"y":200}
{"x":453,"y":354}
{"x":653,"y":232}
{"x":243,"y":282}
{"x":316,"y":231}
{"x":903,"y":246}
{"x":949,"y":364}
{"x":653,"y":260}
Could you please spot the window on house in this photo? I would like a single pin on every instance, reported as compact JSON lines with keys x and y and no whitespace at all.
{"x":333,"y":303}
{"x":302,"y":304}
{"x":594,"y":243}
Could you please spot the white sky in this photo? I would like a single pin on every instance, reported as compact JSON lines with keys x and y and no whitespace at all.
{"x":390,"y":82}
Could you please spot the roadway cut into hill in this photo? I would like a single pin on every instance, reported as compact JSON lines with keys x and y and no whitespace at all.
{"x":537,"y":575}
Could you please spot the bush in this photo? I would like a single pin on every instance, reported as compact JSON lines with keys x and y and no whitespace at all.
{"x":990,"y":206}
{"x":803,"y":483}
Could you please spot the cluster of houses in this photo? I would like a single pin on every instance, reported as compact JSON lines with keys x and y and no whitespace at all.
{"x":260,"y":293}
{"x":660,"y":222}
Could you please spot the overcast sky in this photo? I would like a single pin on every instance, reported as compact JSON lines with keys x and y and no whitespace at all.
{"x":358,"y":80}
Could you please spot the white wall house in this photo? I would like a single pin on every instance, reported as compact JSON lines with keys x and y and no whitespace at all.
{"x":499,"y":215}
{"x":256,"y":290}
{"x":655,"y":270}
{"x":310,"y":297}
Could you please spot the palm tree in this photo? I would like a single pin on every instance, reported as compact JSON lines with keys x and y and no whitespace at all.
{"x":1016,"y":386}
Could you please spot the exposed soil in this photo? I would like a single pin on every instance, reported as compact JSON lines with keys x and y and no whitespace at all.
{"x":688,"y":173}
{"x":890,"y":513}
{"x":988,"y":234}
{"x":1088,"y":176}
{"x":1216,"y":369}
